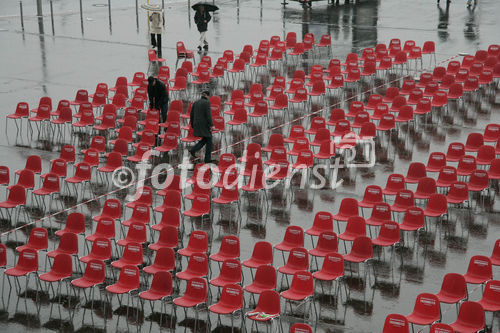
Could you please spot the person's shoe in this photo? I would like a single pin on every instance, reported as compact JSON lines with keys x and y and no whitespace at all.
{"x":199,"y":48}
{"x":205,"y":46}
{"x":193,"y":155}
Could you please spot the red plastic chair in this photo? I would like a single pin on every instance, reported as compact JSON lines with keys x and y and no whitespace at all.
{"x":356,"y":227}
{"x":298,"y":260}
{"x":491,"y":296}
{"x":436,"y":161}
{"x":136,"y":233}
{"x":437,"y":206}
{"x":466,"y":164}
{"x":101,"y":250}
{"x":495,"y":255}
{"x":474,"y":142}
{"x":478,"y":181}
{"x":68,"y":244}
{"x":128,"y":281}
{"x":161,"y":288}
{"x":396,"y":323}
{"x":230,"y":273}
{"x":458,"y":193}
{"x":332,"y":268}
{"x":267,"y":309}
{"x":441,"y":328}
{"x":414,"y":219}
{"x":447,"y":176}
{"x":416,"y":171}
{"x":168,"y":238}
{"x":381,"y":213}
{"x":262,"y":255}
{"x":479,"y":270}
{"x":95,"y":274}
{"x":198,"y":242}
{"x":229,"y":249}
{"x":38,"y":240}
{"x":132,"y":255}
{"x":62,"y":268}
{"x":301,"y":328}
{"x":455,"y":151}
{"x":361,"y":251}
{"x":485,"y":155}
{"x":200,"y":207}
{"x":27,"y":263}
{"x":197,"y":267}
{"x":301,"y":289}
{"x":194,"y":296}
{"x":470,"y":318}
{"x":230,"y":301}
{"x":294,"y":237}
{"x":348,"y":208}
{"x":143,"y":195}
{"x":425,"y":188}
{"x":453,"y":289}
{"x":323,"y":221}
{"x":389,"y":234}
{"x":164,"y":261}
{"x":426,"y":310}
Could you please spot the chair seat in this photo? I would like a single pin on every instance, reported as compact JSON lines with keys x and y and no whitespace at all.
{"x":253,"y":263}
{"x":194,"y":212}
{"x":153,"y":295}
{"x":186,"y":301}
{"x":256,"y":288}
{"x":53,"y":277}
{"x":383,"y":242}
{"x":447,"y":298}
{"x":29,"y":246}
{"x":153,"y":269}
{"x":15,"y":271}
{"x":118,"y":289}
{"x":220,"y":257}
{"x":461,"y":328}
{"x":262,"y":317}
{"x":91,"y":256}
{"x":469,"y":278}
{"x":433,"y":213}
{"x":84,"y":283}
{"x":489,"y":306}
{"x":325,"y":276}
{"x":354,"y":258}
{"x":223,"y":309}
{"x":294,"y":296}
{"x":221,"y":282}
{"x":416,"y":319}
{"x":53,"y":254}
{"x":121,"y":262}
{"x":157,"y":246}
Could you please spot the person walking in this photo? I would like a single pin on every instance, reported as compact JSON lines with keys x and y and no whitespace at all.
{"x":201,"y":123}
{"x":201,"y":18}
{"x":156,"y":28}
{"x":158,"y":97}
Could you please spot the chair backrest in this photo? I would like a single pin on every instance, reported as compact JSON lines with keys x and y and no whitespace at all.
{"x":389,"y":231}
{"x":480,"y":266}
{"x":427,"y":306}
{"x":298,"y":258}
{"x":454,"y":284}
{"x":196,"y":290}
{"x":396,"y":323}
{"x":162,"y":283}
{"x":471,"y":314}
{"x":265,"y":277}
{"x":129,"y":277}
{"x":101,"y":248}
{"x":294,"y":235}
{"x":231,"y":270}
{"x":269,"y":303}
{"x":349,"y":207}
{"x":230,"y":246}
{"x":198,"y":241}
{"x":303,"y":282}
{"x":105,"y":227}
{"x":232,"y":297}
{"x":198,"y":264}
{"x":165,"y":258}
{"x":38,"y":239}
{"x":28,"y":260}
{"x":333,"y":263}
{"x":414,"y":216}
{"x":95,"y":271}
{"x":263,"y":251}
{"x":441,"y":328}
{"x":301,"y":328}
{"x":362,"y":247}
{"x":62,"y":266}
{"x":323,"y":221}
{"x":68,"y":243}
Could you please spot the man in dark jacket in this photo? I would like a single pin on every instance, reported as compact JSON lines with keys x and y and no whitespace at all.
{"x":201,"y":122}
{"x":201,"y":18}
{"x":158,"y":96}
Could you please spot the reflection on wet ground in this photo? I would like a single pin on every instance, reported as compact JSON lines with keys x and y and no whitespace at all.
{"x":82,"y":52}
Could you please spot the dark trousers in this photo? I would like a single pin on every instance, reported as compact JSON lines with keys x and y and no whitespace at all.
{"x":206,"y":140}
{"x":156,"y":42}
{"x":163,"y":112}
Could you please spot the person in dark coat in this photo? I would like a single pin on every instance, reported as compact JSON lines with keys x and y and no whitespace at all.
{"x":158,"y":96}
{"x":201,"y":18}
{"x":201,"y":122}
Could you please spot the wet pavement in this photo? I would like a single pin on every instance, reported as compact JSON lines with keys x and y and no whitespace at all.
{"x":110,"y":39}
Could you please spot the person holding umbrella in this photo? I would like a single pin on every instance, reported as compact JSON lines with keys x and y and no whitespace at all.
{"x":201,"y":18}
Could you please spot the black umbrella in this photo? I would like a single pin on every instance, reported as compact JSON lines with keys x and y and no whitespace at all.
{"x":208,"y":6}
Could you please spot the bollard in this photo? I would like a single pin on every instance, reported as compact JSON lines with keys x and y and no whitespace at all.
{"x":52,"y":17}
{"x":22,"y":17}
{"x":81,"y":15}
{"x":137,"y":14}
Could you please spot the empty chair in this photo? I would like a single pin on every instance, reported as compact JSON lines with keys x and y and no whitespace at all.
{"x":229,"y":249}
{"x":479,"y":270}
{"x":38,"y":240}
{"x":348,"y":208}
{"x":230,"y":301}
{"x":262,"y":255}
{"x":197,"y":267}
{"x":294,"y":237}
{"x":198,"y":242}
{"x":361,"y":250}
{"x":265,"y":279}
{"x":491,"y":296}
{"x":396,"y":323}
{"x":470,"y":318}
{"x":230,"y":273}
{"x":453,"y":289}
{"x":194,"y":296}
{"x":426,"y":310}
{"x":333,"y":267}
